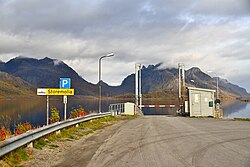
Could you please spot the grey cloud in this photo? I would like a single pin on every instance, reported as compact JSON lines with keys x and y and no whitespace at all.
{"x":195,"y":32}
{"x":222,"y":7}
{"x":78,"y":18}
{"x":75,"y":17}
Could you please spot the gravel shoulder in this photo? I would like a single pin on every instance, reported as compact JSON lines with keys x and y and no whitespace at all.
{"x":71,"y":152}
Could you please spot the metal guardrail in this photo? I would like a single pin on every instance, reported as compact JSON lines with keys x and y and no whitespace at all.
{"x":13,"y":143}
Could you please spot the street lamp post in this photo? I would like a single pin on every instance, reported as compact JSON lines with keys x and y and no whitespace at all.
{"x":217,"y":87}
{"x":99,"y":77}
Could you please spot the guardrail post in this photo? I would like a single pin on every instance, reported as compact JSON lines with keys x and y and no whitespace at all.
{"x":58,"y":132}
{"x":30,"y":145}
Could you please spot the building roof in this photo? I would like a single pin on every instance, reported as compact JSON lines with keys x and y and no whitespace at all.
{"x":201,"y":89}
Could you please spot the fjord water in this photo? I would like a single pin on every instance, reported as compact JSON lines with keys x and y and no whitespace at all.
{"x":14,"y":111}
{"x":236,"y":109}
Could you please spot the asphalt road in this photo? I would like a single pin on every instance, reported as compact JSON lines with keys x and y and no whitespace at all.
{"x":171,"y":141}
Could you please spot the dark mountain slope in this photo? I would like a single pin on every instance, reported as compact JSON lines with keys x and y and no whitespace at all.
{"x":46,"y":73}
{"x":155,"y":79}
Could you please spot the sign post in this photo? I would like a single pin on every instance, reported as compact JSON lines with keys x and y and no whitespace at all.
{"x":47,"y":115}
{"x":65,"y":84}
{"x":63,"y":91}
{"x":42,"y":92}
{"x":65,"y":106}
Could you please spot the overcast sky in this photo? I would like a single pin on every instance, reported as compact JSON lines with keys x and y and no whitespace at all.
{"x":209,"y":34}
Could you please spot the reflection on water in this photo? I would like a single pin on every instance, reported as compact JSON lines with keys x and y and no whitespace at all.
{"x":236,"y":109}
{"x":15,"y":111}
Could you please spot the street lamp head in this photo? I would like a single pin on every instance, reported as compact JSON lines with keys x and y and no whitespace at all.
{"x":110,"y":55}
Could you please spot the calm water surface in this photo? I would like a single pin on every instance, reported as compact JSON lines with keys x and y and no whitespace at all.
{"x":236,"y":109}
{"x":14,"y":111}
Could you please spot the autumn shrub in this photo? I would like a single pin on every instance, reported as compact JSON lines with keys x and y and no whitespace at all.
{"x":55,"y":117}
{"x":77,"y":112}
{"x":22,"y":128}
{"x":3,"y":134}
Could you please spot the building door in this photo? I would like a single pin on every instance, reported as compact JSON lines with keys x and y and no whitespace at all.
{"x":196,"y":105}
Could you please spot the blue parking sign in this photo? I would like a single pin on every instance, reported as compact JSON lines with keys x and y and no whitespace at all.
{"x":65,"y":83}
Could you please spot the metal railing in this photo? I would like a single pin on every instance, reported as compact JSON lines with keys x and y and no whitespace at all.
{"x":13,"y":143}
{"x":122,"y":108}
{"x":116,"y":109}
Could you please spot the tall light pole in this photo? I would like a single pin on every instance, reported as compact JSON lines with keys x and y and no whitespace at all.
{"x":99,"y":77}
{"x":138,"y":95}
{"x":181,"y":80}
{"x":217,"y":83}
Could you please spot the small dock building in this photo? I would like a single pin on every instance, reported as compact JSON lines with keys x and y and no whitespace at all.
{"x":200,"y":102}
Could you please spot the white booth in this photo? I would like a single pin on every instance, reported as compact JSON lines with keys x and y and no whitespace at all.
{"x":200,"y":102}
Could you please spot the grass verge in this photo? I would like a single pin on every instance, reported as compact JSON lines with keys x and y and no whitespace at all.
{"x":15,"y":157}
{"x":72,"y":133}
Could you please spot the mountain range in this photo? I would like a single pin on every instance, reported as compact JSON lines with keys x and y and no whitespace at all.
{"x":33,"y":73}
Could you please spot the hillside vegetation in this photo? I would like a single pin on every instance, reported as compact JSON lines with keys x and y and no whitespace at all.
{"x":14,"y":86}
